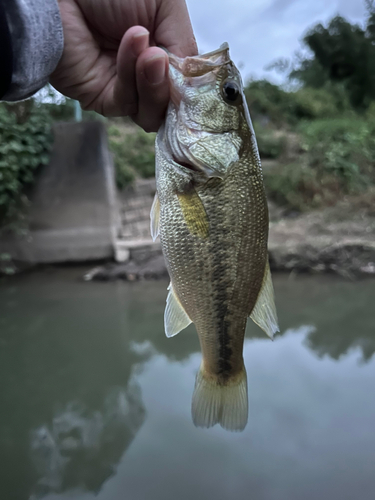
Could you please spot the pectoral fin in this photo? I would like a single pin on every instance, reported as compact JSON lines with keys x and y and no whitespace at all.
{"x":175,"y":317}
{"x":264,"y":312}
{"x":194,"y":213}
{"x":155,"y":217}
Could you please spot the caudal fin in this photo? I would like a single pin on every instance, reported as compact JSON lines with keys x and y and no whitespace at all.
{"x":216,"y":403}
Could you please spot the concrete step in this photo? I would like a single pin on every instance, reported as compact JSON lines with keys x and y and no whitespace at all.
{"x":136,"y":214}
{"x":132,"y":203}
{"x":138,"y":249}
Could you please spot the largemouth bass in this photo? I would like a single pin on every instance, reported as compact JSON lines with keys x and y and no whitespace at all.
{"x":210,"y":211}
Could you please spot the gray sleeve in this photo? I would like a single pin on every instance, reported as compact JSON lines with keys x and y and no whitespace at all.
{"x":37,"y":44}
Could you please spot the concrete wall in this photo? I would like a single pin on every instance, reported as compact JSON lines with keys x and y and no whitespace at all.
{"x":73,"y":213}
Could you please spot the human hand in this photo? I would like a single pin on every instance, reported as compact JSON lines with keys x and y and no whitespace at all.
{"x":110,"y":63}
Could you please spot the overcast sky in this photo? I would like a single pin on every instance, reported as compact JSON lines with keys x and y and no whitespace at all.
{"x":260,"y":31}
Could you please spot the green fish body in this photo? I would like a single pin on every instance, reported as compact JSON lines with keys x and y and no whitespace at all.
{"x":210,"y":212}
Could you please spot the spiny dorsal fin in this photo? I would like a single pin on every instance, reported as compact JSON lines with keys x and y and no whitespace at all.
{"x":175,"y":317}
{"x":264,"y":312}
{"x":155,"y":217}
{"x":194,"y":213}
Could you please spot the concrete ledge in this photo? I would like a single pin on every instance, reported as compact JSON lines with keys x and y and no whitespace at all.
{"x":59,"y":246}
{"x":73,"y":213}
{"x":138,"y":250}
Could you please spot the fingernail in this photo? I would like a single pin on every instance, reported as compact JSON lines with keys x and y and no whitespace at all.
{"x":155,"y":69}
{"x":140,"y":42}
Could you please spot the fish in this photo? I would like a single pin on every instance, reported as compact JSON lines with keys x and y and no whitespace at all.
{"x":210,"y":212}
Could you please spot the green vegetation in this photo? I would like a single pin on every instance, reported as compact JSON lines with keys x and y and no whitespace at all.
{"x":338,"y":159}
{"x":134,"y":153}
{"x":343,"y":53}
{"x":271,"y":144}
{"x":317,"y":136}
{"x":25,"y":143}
{"x":322,"y":132}
{"x":269,"y":102}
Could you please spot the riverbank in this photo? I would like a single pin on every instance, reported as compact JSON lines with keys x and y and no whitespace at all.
{"x":338,"y":240}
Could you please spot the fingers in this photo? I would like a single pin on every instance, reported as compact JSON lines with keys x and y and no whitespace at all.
{"x":125,"y":94}
{"x":141,"y":89}
{"x":141,"y":86}
{"x":153,"y":88}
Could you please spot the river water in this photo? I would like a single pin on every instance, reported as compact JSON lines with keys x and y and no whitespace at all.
{"x":95,"y":400}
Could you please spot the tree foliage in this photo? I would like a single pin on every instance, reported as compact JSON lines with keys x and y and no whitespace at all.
{"x":25,"y":143}
{"x":343,"y":54}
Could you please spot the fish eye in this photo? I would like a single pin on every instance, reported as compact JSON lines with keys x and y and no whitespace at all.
{"x":231,"y":92}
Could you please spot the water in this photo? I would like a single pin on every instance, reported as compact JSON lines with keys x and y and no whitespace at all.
{"x":95,"y":400}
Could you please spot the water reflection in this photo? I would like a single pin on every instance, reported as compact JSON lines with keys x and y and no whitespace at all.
{"x":81,"y":448}
{"x":340,"y":311}
{"x":94,"y":398}
{"x":69,"y":405}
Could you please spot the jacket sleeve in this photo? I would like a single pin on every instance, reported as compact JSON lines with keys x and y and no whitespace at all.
{"x":33,"y":38}
{"x":6,"y":56}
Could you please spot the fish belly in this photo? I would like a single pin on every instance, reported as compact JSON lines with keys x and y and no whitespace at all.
{"x":217,"y":277}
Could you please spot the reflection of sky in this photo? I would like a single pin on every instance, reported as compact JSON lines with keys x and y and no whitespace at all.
{"x":260,"y":31}
{"x":77,"y":439}
{"x":310,"y":431}
{"x":98,"y":400}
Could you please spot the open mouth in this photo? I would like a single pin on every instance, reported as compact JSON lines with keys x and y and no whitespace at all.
{"x":201,"y":64}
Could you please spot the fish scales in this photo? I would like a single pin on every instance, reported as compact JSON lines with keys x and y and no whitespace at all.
{"x":213,"y":226}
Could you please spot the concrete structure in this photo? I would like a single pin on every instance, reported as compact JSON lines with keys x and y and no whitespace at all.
{"x":73,"y":213}
{"x":134,"y":237}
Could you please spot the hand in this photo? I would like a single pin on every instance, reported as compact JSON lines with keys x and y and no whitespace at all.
{"x":110,"y":63}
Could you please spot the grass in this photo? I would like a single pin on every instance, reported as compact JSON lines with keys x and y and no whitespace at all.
{"x":338,"y":159}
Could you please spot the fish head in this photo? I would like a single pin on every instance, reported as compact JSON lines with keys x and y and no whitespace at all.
{"x":207,"y":120}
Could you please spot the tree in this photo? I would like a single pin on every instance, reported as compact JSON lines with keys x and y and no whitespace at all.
{"x":343,"y":53}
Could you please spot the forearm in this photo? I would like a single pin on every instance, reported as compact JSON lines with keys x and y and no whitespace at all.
{"x":36,"y":39}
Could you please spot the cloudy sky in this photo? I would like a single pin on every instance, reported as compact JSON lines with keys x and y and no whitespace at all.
{"x":260,"y":31}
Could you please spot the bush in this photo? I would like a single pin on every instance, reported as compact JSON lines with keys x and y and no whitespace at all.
{"x":343,"y":147}
{"x":268,"y":102}
{"x":270,"y":143}
{"x":339,"y":159}
{"x":271,"y":104}
{"x":310,"y":104}
{"x":134,"y":154}
{"x":25,"y":144}
{"x":299,"y":187}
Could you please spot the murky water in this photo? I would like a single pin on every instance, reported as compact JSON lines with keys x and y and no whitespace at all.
{"x":95,"y":400}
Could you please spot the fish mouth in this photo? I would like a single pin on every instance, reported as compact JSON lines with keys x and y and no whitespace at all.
{"x":201,"y":64}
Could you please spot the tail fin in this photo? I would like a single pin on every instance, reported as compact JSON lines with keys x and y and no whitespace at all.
{"x":216,"y":403}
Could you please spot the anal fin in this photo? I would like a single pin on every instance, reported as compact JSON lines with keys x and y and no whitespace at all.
{"x":175,"y":317}
{"x":264,"y":312}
